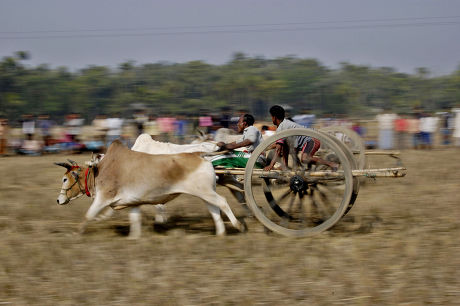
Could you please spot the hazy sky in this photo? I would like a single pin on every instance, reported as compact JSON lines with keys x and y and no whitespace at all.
{"x":403,"y":34}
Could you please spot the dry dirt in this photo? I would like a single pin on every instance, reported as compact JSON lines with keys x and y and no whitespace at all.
{"x":399,"y":245}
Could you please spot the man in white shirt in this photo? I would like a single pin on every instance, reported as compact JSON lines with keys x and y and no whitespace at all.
{"x":250,"y":139}
{"x":428,"y":126}
{"x":243,"y":147}
{"x":456,"y":124}
{"x":386,"y":129}
{"x":114,"y":125}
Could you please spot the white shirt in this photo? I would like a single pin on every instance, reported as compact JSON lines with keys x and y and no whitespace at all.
{"x":74,"y":126}
{"x":456,"y":111}
{"x":428,"y":124}
{"x":28,"y":127}
{"x":254,"y":135}
{"x":114,"y":126}
{"x":386,"y":121}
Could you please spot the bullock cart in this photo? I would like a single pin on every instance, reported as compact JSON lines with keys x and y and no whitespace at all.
{"x":299,"y":198}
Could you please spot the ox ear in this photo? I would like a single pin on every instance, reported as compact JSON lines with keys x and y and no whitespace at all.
{"x":65,"y":165}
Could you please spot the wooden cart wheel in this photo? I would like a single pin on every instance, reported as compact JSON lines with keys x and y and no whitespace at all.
{"x":305,"y":198}
{"x":328,"y":154}
{"x":352,"y":140}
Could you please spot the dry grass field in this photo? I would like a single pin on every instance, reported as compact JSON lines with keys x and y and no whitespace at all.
{"x":400,"y":244}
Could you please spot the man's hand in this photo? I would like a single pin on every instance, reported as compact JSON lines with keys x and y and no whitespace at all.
{"x":222,"y":146}
{"x":268,"y":168}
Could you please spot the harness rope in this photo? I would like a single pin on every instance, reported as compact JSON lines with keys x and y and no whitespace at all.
{"x":87,"y":173}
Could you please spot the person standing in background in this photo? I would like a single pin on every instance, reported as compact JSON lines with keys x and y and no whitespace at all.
{"x":100,"y":127}
{"x":151,"y":127}
{"x":114,"y":128}
{"x":205,"y":122}
{"x":445,"y":127}
{"x":401,"y":126}
{"x":413,"y":129}
{"x":44,"y":126}
{"x":225,"y":117}
{"x":456,"y":126}
{"x":28,"y":126}
{"x":180,"y":126}
{"x":386,"y":126}
{"x":140,"y":119}
{"x":74,"y":124}
{"x":428,"y":126}
{"x":166,"y":127}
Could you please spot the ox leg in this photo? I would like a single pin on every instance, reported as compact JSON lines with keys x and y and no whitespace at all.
{"x":135,"y":223}
{"x":218,"y":222}
{"x":96,"y":207}
{"x":221,"y":203}
{"x":230,"y":180}
{"x":160,"y":214}
{"x":105,"y":214}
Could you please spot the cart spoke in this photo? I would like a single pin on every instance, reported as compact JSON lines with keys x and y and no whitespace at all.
{"x":325,"y":207}
{"x":337,"y":189}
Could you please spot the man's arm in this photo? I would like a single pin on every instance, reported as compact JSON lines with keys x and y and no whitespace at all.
{"x":278,"y":149}
{"x":235,"y":145}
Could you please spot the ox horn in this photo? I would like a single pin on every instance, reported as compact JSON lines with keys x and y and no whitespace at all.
{"x":65,"y":165}
{"x":200,"y":132}
{"x":73,"y":163}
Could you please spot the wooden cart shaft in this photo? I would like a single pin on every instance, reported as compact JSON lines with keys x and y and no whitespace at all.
{"x":372,"y":173}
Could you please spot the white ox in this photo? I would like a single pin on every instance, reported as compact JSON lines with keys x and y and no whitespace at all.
{"x":145,"y":143}
{"x":125,"y":178}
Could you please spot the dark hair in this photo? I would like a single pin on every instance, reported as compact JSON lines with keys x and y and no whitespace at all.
{"x":277,"y":112}
{"x":249,"y":119}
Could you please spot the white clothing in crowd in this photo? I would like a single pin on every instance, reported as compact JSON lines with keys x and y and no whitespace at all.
{"x":114,"y":126}
{"x":74,"y":126}
{"x":28,"y":127}
{"x":428,"y":124}
{"x":386,"y":121}
{"x":386,"y":125}
{"x":456,"y":125}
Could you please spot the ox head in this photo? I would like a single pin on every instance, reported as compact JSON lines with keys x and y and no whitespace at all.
{"x":71,"y":187}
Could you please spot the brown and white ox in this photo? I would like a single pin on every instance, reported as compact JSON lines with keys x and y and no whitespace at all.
{"x":145,"y":143}
{"x":128,"y":179}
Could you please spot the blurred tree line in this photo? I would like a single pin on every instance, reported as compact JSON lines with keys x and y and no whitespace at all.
{"x":252,"y":83}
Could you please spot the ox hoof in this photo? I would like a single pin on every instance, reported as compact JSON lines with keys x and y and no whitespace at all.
{"x":134,"y":237}
{"x":221,"y":233}
{"x":267,"y":231}
{"x":243,"y":227}
{"x":161,"y":219}
{"x":81,"y":228}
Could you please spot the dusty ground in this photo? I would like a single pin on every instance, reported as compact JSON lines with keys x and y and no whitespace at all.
{"x":399,"y":244}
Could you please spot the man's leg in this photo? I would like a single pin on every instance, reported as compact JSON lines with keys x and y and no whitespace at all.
{"x":308,"y":152}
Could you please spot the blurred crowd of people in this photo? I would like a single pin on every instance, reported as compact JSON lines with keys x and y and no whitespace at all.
{"x":418,"y":130}
{"x":36,"y":135}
